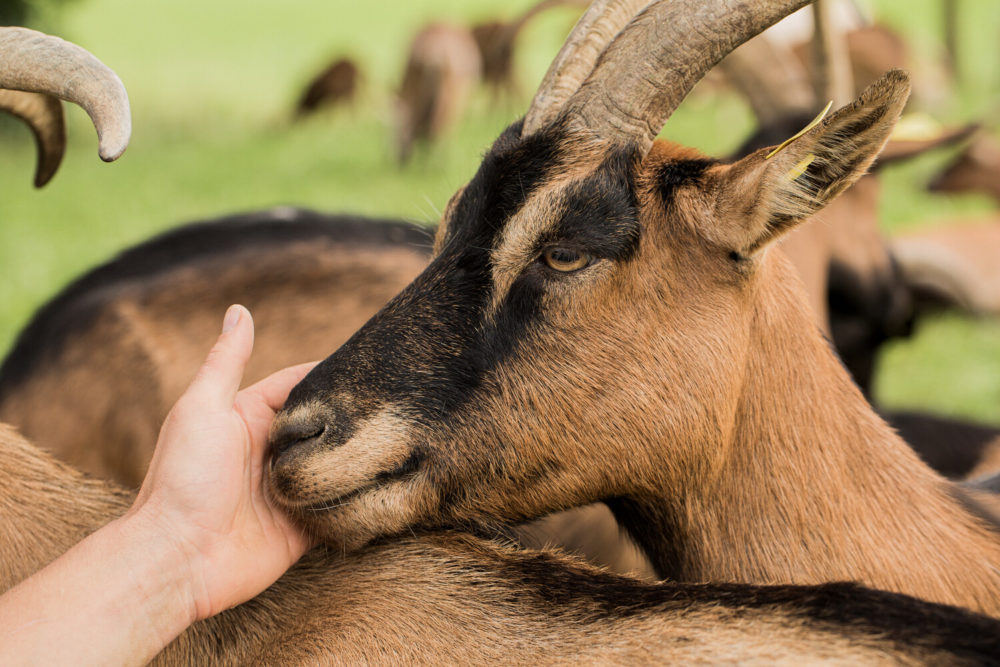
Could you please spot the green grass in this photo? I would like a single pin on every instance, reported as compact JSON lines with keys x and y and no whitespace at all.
{"x":212,"y":84}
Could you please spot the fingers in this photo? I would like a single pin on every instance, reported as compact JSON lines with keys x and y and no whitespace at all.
{"x":219,"y":378}
{"x":273,"y":389}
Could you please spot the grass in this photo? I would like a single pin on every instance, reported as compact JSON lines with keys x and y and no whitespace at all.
{"x":212,"y":84}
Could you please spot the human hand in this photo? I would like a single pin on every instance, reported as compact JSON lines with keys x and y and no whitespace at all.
{"x":204,"y":492}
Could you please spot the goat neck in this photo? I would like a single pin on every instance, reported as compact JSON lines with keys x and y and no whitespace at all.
{"x":807,"y":484}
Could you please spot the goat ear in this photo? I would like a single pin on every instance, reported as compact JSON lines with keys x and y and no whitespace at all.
{"x":768,"y":192}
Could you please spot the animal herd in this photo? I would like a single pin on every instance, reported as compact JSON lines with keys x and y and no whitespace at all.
{"x":615,"y":408}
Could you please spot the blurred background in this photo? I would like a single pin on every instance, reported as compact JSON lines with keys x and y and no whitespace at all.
{"x":214,"y":87}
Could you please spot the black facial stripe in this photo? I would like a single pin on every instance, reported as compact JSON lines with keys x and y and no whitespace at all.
{"x":509,"y":174}
{"x":601,"y":212}
{"x":679,"y":173}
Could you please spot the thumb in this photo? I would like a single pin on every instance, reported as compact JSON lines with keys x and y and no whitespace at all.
{"x":219,"y":378}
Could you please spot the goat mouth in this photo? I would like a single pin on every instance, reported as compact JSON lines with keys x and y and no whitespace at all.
{"x":402,"y":472}
{"x":339,"y":501}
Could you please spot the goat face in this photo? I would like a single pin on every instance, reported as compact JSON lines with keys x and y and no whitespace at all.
{"x":558,"y":282}
{"x":586,"y":303}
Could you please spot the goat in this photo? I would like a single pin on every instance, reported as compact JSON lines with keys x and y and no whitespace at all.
{"x":336,"y":84}
{"x":603,"y":320}
{"x":442,"y":67}
{"x":496,"y":39}
{"x":512,"y":606}
{"x":87,"y":337}
{"x":976,"y":169}
{"x":458,"y":599}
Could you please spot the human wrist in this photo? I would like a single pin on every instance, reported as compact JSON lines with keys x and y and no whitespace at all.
{"x":163,"y":567}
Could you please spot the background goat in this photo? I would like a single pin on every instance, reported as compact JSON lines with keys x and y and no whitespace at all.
{"x":442,"y":67}
{"x":336,"y":84}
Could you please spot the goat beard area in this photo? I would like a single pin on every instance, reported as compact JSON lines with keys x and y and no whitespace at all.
{"x":355,"y":519}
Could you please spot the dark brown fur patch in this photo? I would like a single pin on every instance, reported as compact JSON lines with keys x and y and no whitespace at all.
{"x":77,"y":305}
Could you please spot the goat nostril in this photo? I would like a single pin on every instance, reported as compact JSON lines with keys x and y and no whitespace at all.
{"x":294,"y":433}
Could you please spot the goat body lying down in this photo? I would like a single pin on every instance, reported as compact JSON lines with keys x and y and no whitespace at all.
{"x":458,"y":599}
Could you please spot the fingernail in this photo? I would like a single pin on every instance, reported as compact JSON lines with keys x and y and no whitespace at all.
{"x":233,"y":315}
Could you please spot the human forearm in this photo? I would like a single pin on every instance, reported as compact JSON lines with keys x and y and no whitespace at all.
{"x":117,"y":597}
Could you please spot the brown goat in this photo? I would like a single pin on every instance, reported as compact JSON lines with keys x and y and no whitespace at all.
{"x":496,"y":39}
{"x":603,"y":320}
{"x":442,"y":67}
{"x":976,"y":169}
{"x":456,"y":599}
{"x":335,"y":85}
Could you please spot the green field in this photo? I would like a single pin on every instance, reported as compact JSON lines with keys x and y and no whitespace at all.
{"x":212,"y":85}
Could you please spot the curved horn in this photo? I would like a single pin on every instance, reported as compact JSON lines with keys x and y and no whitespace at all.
{"x":647,"y":70}
{"x":598,"y":26}
{"x":34,"y":62}
{"x":44,"y":116}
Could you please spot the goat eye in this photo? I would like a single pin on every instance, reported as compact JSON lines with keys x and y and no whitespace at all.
{"x":565,"y":260}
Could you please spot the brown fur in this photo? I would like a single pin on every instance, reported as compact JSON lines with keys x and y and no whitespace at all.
{"x":139,"y":333}
{"x":686,"y":386}
{"x":453,"y":599}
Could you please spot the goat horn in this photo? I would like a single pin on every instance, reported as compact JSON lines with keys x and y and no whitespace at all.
{"x":595,"y":29}
{"x":44,"y":116}
{"x":650,"y":67}
{"x":39,"y":63}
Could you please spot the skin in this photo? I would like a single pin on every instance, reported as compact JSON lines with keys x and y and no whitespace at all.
{"x":201,"y":537}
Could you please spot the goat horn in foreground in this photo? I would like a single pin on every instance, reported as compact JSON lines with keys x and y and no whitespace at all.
{"x":44,"y":116}
{"x":651,"y":66}
{"x":34,"y":62}
{"x":595,"y":29}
